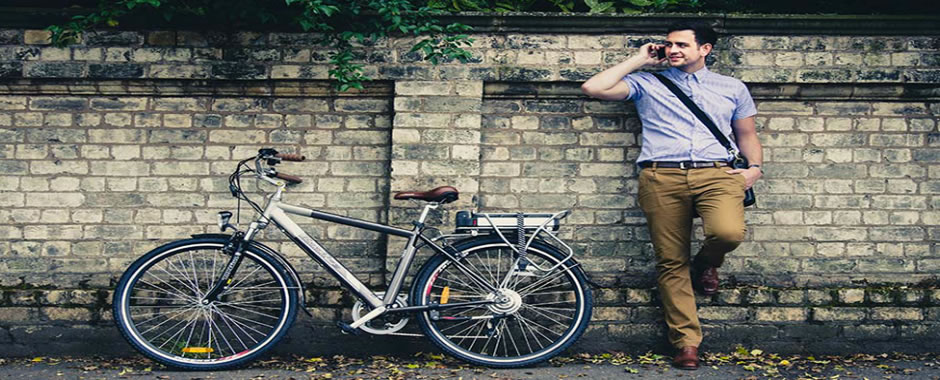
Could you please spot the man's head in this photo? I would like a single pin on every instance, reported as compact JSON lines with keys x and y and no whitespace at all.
{"x":687,"y":44}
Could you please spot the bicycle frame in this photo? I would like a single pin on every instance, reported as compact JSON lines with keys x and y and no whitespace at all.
{"x":277,"y":212}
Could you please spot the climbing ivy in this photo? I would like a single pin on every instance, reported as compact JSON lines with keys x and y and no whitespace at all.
{"x":341,"y":25}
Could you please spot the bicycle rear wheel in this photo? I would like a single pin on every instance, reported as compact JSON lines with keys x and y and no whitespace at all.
{"x":538,"y":314}
{"x":157,"y":305}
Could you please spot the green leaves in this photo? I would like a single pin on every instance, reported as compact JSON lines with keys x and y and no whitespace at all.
{"x":366,"y":21}
{"x":599,"y":7}
{"x":341,"y":22}
{"x":567,"y":6}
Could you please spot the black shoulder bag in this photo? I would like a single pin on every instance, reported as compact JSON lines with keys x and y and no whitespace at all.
{"x":738,"y":161}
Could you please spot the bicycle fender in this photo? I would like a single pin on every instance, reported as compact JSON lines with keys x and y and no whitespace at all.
{"x":301,"y":293}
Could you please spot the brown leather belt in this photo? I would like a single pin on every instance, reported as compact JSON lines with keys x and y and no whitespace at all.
{"x":682,"y":164}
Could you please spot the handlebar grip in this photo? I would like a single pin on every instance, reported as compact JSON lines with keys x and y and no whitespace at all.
{"x":289,"y":178}
{"x":290,"y":157}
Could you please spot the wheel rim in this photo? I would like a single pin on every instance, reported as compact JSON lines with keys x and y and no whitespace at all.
{"x":163,"y":313}
{"x":542,"y":313}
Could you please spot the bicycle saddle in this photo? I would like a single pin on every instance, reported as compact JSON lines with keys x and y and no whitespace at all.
{"x":443,"y":194}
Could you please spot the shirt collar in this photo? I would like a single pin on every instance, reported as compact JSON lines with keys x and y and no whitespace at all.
{"x":682,"y":75}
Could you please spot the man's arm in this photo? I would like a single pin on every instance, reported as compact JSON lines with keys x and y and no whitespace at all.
{"x":745,"y":134}
{"x":609,"y":84}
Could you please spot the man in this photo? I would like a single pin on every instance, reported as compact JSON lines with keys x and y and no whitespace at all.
{"x":684,"y":167}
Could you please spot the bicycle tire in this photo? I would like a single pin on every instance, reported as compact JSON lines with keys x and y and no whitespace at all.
{"x":261,"y":289}
{"x":455,"y":342}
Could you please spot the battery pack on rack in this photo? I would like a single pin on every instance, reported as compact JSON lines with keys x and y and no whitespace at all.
{"x":468,"y":221}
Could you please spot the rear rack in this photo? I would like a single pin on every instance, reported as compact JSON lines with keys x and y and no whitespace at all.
{"x":521,"y":224}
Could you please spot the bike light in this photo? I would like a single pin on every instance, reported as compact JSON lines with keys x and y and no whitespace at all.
{"x":224,"y":217}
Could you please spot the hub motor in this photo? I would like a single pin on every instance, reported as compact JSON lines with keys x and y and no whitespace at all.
{"x":507,"y":301}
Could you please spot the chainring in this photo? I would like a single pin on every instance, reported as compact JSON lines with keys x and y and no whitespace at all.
{"x":385,"y":324}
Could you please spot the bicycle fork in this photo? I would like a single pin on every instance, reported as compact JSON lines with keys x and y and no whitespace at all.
{"x":234,"y":247}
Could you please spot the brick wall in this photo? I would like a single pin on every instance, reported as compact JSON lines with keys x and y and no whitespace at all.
{"x":92,"y":181}
{"x":116,"y":145}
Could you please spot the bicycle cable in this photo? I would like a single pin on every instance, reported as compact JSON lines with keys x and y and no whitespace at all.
{"x":234,"y":183}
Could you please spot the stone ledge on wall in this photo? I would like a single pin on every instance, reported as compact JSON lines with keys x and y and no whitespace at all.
{"x":768,"y":91}
{"x":178,"y":87}
{"x":759,"y":24}
{"x":491,"y":89}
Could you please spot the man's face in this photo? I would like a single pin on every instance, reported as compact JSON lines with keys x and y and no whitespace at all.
{"x":682,"y":50}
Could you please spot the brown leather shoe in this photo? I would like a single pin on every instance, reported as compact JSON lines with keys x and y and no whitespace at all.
{"x":705,"y":278}
{"x":686,"y":358}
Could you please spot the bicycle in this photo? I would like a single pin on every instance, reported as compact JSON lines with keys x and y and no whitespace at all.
{"x":499,"y":291}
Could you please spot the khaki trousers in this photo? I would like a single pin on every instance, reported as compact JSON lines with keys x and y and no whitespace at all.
{"x":667,"y":196}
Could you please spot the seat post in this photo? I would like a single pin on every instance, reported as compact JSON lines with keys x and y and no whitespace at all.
{"x":427,"y":208}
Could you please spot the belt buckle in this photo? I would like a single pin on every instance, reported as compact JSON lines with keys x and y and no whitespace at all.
{"x":682,"y":165}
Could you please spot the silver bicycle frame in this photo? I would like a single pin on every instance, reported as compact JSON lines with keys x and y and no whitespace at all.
{"x":276,"y":211}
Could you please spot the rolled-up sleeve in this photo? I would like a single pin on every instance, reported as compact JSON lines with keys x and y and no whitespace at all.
{"x":636,"y":91}
{"x":744,"y":104}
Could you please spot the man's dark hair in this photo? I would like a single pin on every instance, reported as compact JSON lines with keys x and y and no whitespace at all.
{"x":704,"y":34}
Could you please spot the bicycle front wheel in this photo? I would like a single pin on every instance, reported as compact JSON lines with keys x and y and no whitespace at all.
{"x":535,"y":315}
{"x":157,"y":305}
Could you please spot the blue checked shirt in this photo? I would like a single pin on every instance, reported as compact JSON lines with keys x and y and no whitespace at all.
{"x":671,"y":132}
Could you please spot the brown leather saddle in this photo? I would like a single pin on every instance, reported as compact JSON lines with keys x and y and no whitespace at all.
{"x":443,"y":194}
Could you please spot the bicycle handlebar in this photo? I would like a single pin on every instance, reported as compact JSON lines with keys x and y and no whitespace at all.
{"x":290,"y":157}
{"x":272,"y":157}
{"x":289,"y":178}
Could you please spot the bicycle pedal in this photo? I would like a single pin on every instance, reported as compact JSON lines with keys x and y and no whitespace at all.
{"x":347,"y":329}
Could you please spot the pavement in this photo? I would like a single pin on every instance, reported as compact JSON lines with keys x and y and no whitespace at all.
{"x":743,"y":364}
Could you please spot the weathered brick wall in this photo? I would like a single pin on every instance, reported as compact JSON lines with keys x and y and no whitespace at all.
{"x":113,"y":146}
{"x":92,"y":182}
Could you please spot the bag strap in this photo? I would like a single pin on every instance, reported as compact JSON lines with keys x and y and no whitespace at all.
{"x":722,"y":139}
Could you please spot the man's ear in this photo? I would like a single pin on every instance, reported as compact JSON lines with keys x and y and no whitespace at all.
{"x":707,"y":49}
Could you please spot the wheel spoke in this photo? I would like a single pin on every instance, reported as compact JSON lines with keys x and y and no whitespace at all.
{"x":543,"y":310}
{"x":179,"y":293}
{"x":241,"y":326}
{"x":173,"y":314}
{"x":178,"y":333}
{"x":511,"y":339}
{"x":531,"y":331}
{"x":541,"y":282}
{"x":229,"y":325}
{"x":220,"y":332}
{"x":543,"y":315}
{"x":245,"y":278}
